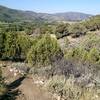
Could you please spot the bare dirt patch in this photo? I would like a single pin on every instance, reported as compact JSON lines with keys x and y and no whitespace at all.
{"x":23,"y":88}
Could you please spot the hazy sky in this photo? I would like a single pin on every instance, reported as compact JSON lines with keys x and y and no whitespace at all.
{"x":52,"y":6}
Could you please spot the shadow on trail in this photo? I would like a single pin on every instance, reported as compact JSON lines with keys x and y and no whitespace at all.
{"x":10,"y":95}
{"x":16,"y":83}
{"x":12,"y":89}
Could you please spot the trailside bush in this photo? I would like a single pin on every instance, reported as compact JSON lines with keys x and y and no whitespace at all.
{"x":90,"y":41}
{"x":11,"y":46}
{"x":76,"y":54}
{"x":24,"y":43}
{"x":94,"y":55}
{"x":43,"y":51}
{"x":87,"y":51}
{"x":80,"y":54}
{"x":62,"y":30}
{"x":77,"y":30}
{"x":16,"y":45}
{"x":93,"y":23}
{"x":68,"y":90}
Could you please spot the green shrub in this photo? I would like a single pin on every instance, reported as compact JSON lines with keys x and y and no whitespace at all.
{"x":88,"y":50}
{"x":62,"y":30}
{"x":16,"y":45}
{"x":77,"y":53}
{"x":24,"y":43}
{"x":91,"y":41}
{"x":77,"y":30}
{"x":94,"y":55}
{"x":11,"y":46}
{"x":93,"y":23}
{"x":42,"y":52}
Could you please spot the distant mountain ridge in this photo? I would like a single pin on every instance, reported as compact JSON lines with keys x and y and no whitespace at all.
{"x":8,"y":14}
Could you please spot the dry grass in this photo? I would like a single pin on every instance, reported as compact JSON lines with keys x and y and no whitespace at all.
{"x":68,"y":90}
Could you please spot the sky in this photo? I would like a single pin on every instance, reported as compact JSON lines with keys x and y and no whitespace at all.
{"x":54,"y":6}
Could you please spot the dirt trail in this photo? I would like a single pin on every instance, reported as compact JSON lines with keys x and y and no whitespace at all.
{"x":23,"y":88}
{"x":33,"y":92}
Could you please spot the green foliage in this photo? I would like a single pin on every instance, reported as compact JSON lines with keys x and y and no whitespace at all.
{"x":77,"y":30}
{"x":62,"y":30}
{"x":94,"y":55}
{"x":93,"y":23}
{"x":88,"y":50}
{"x":24,"y":43}
{"x":2,"y":36}
{"x":46,"y":28}
{"x":91,"y":41}
{"x":42,"y":51}
{"x":11,"y":15}
{"x":77,"y":54}
{"x":16,"y":46}
{"x":66,"y":41}
{"x":11,"y":46}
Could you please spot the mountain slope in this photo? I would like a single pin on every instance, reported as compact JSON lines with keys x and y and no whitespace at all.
{"x":73,"y":16}
{"x":7,"y":14}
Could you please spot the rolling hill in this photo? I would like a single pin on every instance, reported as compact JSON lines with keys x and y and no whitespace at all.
{"x":9,"y":15}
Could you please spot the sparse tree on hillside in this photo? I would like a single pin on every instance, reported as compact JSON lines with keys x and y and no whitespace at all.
{"x":11,"y":46}
{"x":42,"y":52}
{"x":24,"y":43}
{"x":62,"y":30}
{"x":77,"y":30}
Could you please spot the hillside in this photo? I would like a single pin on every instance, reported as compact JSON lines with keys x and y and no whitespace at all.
{"x":49,"y":56}
{"x":7,"y":14}
{"x":73,"y":16}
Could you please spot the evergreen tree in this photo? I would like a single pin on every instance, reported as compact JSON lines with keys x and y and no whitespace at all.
{"x":2,"y":37}
{"x":11,"y":46}
{"x":42,"y":52}
{"x":24,"y":43}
